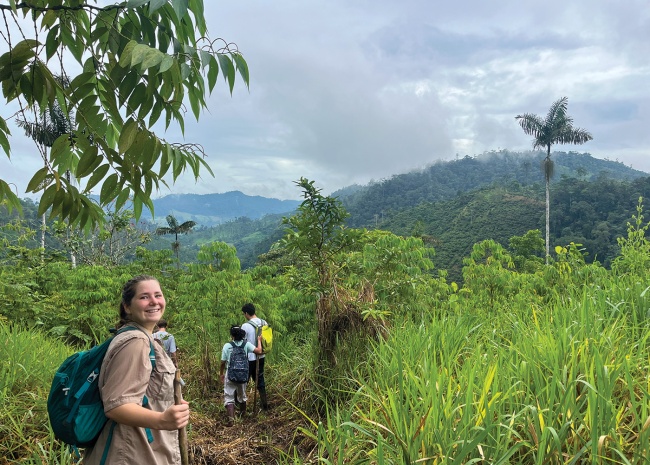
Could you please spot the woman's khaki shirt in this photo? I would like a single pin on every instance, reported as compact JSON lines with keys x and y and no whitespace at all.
{"x":126,"y":377}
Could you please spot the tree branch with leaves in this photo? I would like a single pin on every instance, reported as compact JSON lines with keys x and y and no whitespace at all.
{"x":137,"y":62}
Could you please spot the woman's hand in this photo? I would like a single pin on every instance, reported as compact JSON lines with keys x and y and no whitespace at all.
{"x":176,"y":416}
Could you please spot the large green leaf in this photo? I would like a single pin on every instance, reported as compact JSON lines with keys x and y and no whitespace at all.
{"x":242,"y":67}
{"x":166,"y":63}
{"x":109,"y":187}
{"x":129,"y":132}
{"x":156,"y":4}
{"x":227,"y":69}
{"x":97,"y":176}
{"x":88,"y":162}
{"x":180,"y":8}
{"x":213,"y":72}
{"x":47,"y":199}
{"x":125,"y":57}
{"x":4,"y":141}
{"x":138,"y":54}
{"x":52,"y":42}
{"x":34,"y":184}
{"x":136,"y":3}
{"x":7,"y":194}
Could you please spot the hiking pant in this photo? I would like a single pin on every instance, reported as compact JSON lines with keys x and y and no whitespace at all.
{"x":252,"y":366}
{"x":230,"y":390}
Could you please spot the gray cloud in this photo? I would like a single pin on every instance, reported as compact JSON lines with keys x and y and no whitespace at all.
{"x":345,"y":92}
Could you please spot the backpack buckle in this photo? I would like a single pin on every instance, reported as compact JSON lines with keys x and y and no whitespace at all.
{"x":92,"y":377}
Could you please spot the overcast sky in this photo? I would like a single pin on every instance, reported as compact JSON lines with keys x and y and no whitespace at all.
{"x":345,"y":92}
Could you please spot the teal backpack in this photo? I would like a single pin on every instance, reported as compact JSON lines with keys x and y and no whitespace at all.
{"x":74,"y":405}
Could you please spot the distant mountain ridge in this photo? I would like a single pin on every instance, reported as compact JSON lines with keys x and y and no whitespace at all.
{"x":214,"y":209}
{"x":445,"y":180}
{"x":367,"y":204}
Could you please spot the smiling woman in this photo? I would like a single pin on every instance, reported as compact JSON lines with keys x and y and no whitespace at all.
{"x":137,"y":389}
{"x":143,"y":302}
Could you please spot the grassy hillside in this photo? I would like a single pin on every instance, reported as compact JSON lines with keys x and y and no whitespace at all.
{"x":542,"y":367}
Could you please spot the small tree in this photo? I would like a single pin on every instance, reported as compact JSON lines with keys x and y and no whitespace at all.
{"x":317,"y":235}
{"x":176,"y":229}
{"x":556,"y":128}
{"x":109,"y":244}
{"x":49,"y":123}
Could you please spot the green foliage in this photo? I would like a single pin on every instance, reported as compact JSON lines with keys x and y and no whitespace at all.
{"x":110,"y":243}
{"x":137,"y":61}
{"x":526,"y":251}
{"x":635,"y":248}
{"x":317,"y":235}
{"x":28,"y":361}
{"x":518,"y":364}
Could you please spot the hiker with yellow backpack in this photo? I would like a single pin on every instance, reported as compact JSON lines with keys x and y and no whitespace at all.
{"x":256,"y":327}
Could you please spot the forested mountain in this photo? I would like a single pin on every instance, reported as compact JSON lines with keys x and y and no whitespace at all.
{"x":591,"y":201}
{"x":590,"y":213}
{"x":452,"y":205}
{"x":445,"y":180}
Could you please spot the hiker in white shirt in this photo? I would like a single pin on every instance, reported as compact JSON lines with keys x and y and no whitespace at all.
{"x":255,"y":362}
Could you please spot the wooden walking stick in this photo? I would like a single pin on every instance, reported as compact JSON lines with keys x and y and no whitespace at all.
{"x":257,"y":373}
{"x":182,"y":433}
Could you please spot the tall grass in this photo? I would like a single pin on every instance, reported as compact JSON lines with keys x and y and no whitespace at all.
{"x":28,"y":360}
{"x":563,"y":384}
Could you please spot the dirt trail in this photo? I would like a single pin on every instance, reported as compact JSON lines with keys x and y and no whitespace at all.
{"x":253,"y":439}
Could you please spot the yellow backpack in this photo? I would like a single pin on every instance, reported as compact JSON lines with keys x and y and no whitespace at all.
{"x":267,"y":335}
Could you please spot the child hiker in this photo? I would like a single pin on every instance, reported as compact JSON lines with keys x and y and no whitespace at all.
{"x":234,"y":371}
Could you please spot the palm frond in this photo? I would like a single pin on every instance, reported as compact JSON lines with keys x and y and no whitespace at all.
{"x":164,"y":230}
{"x":186,"y":226}
{"x":557,"y":111}
{"x":573,"y":135}
{"x":172,"y":222}
{"x":531,"y":124}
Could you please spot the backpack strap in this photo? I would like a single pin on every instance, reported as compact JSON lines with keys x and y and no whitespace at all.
{"x":145,"y":400}
{"x":108,"y":443}
{"x":257,"y":328}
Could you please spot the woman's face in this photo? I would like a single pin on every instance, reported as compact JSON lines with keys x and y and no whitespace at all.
{"x":148,"y":304}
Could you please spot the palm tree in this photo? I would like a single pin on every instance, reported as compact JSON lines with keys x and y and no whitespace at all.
{"x":49,"y":125}
{"x":176,"y":229}
{"x":556,"y":128}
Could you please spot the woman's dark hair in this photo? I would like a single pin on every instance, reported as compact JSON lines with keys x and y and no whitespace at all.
{"x":237,"y":333}
{"x":128,"y":292}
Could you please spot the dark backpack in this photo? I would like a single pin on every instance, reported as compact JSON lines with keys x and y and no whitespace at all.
{"x":238,"y":364}
{"x":74,"y":405}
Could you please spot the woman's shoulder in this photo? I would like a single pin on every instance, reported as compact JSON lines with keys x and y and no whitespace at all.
{"x":130,"y":335}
